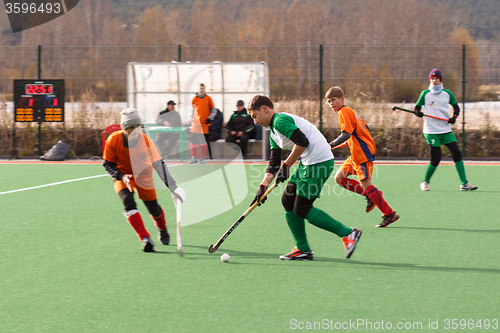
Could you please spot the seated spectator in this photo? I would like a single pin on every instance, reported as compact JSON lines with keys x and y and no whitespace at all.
{"x":239,"y":127}
{"x":214,"y":130}
{"x":165,"y":142}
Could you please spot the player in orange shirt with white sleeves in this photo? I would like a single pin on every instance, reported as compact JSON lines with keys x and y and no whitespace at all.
{"x":129,"y":157}
{"x":355,"y":133}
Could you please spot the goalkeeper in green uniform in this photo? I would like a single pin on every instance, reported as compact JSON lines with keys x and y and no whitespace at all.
{"x":294,"y":133}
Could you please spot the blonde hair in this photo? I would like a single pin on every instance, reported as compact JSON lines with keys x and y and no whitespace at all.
{"x":335,"y":91}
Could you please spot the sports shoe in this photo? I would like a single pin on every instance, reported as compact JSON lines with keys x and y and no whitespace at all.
{"x":424,"y":186}
{"x":163,"y":236}
{"x":467,"y":187}
{"x":388,"y":219}
{"x":296,"y":254}
{"x":350,"y":241}
{"x":192,"y":160}
{"x":201,"y":161}
{"x":148,"y":245}
{"x":369,"y":205}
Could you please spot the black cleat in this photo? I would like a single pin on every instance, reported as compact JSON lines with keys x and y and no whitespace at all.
{"x":369,"y":205}
{"x":148,"y":245}
{"x":164,"y":236}
{"x":388,"y":219}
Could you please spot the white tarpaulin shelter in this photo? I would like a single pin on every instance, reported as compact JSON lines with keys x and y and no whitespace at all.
{"x":151,"y":85}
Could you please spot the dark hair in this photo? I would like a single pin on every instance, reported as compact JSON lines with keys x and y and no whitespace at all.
{"x":240,"y":103}
{"x":258,"y":101}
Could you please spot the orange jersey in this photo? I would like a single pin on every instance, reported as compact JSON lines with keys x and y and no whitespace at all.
{"x":202,"y":107}
{"x":361,"y":142}
{"x":132,"y":160}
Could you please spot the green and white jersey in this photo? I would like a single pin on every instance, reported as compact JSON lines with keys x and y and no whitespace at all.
{"x":436,"y":105}
{"x":282,"y":127}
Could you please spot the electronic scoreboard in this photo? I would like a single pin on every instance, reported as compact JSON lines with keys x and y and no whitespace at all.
{"x":39,"y":100}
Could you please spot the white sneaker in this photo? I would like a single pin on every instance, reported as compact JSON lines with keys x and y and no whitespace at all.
{"x":468,"y":187}
{"x":201,"y":161}
{"x":424,"y":186}
{"x":192,"y":160}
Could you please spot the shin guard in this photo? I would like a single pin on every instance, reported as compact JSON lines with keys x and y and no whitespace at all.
{"x":135,"y":220}
{"x":378,"y":199}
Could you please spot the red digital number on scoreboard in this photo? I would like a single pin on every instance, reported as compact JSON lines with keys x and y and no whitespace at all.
{"x":39,"y":89}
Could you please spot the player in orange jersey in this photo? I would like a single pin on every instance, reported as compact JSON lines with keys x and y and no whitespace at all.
{"x":204,"y":113}
{"x":129,"y":157}
{"x":355,"y":133}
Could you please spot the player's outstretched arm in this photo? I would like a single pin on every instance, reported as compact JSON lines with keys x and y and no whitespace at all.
{"x":343,"y":137}
{"x":168,"y":180}
{"x":342,"y":145}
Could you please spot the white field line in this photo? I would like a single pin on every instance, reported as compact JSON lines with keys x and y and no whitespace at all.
{"x":64,"y":182}
{"x":52,"y":184}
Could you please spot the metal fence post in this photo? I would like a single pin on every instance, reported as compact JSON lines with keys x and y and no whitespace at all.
{"x":39,"y":78}
{"x":39,"y":62}
{"x":179,"y":53}
{"x":463,"y":100}
{"x":321,"y":87}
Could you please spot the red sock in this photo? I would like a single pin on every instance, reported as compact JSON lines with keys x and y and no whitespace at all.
{"x":352,"y":185}
{"x":160,"y":221}
{"x":136,"y":222}
{"x":194,"y":149}
{"x":203,"y":150}
{"x":376,"y":196}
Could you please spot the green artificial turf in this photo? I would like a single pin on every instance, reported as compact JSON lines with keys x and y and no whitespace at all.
{"x":71,"y":263}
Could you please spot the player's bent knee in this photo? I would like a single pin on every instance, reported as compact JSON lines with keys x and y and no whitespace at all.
{"x":456,"y":154}
{"x":339,"y":178}
{"x":341,"y":182}
{"x":435,"y":161}
{"x":127,"y":198}
{"x":288,"y":197}
{"x":457,"y":158}
{"x":435,"y":155}
{"x":303,"y":206}
{"x":153,"y":207}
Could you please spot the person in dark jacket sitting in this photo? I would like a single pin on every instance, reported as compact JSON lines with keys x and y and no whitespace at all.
{"x":167,"y":141}
{"x":239,"y":127}
{"x":215,"y":128}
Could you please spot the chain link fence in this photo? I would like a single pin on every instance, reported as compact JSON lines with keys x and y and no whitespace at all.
{"x":373,"y":77}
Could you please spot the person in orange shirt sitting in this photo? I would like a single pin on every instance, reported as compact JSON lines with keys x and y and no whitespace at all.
{"x":355,"y":133}
{"x":129,"y":157}
{"x":203,"y":114}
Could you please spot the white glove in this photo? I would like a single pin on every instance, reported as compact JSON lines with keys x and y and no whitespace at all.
{"x":180,"y":194}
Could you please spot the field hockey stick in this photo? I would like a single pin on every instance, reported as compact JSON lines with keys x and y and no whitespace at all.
{"x":213,"y":248}
{"x":394,"y":108}
{"x":177,"y":201}
{"x":179,"y":238}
